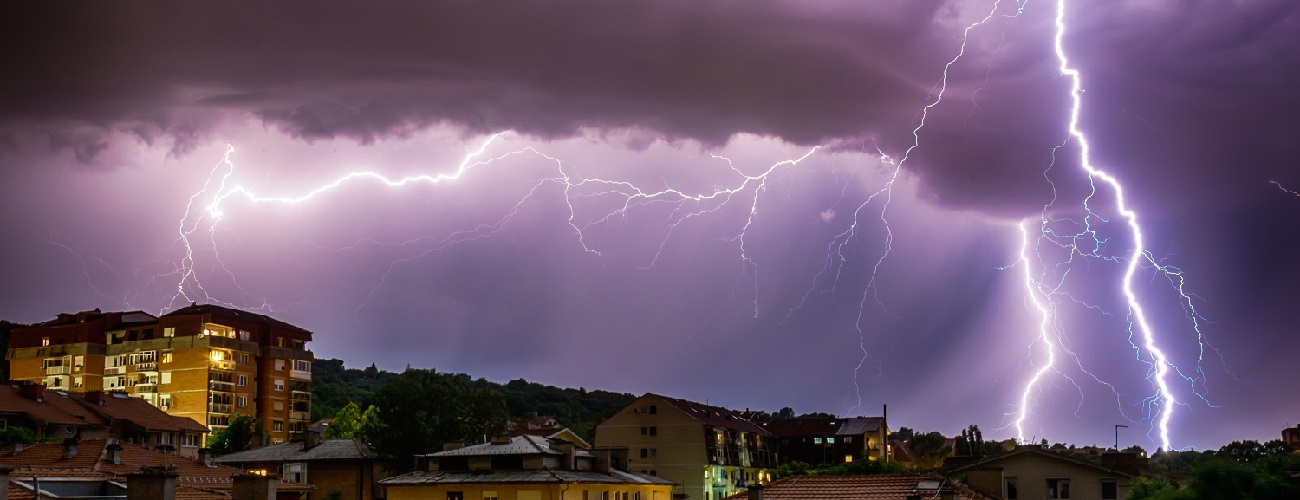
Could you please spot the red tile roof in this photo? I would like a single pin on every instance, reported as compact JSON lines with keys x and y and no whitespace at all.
{"x":716,"y":416}
{"x":876,"y":487}
{"x":120,"y":406}
{"x":55,"y":407}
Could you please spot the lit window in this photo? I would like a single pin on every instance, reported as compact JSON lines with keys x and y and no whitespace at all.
{"x":45,"y":341}
{"x":76,"y":382}
{"x":830,"y":440}
{"x":169,"y":332}
{"x":817,"y":440}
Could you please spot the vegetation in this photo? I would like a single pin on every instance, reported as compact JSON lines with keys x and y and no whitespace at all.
{"x":17,"y":434}
{"x":334,"y":387}
{"x":241,"y":433}
{"x":351,"y":422}
{"x":5,"y":328}
{"x":424,"y":409}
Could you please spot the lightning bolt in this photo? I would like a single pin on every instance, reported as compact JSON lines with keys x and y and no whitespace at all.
{"x":1284,"y":189}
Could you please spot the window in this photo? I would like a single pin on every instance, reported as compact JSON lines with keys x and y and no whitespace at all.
{"x":1109,"y":489}
{"x":241,"y":380}
{"x":455,"y":495}
{"x":295,"y":472}
{"x":279,"y":365}
{"x":278,"y":405}
{"x":166,"y":357}
{"x":241,"y":401}
{"x":164,"y":401}
{"x":654,"y":409}
{"x":489,"y":495}
{"x":243,"y":335}
{"x":302,"y":365}
{"x":648,"y":453}
{"x":166,"y":378}
{"x":76,"y":382}
{"x":1058,"y":489}
{"x":45,"y":341}
{"x":242,"y":357}
{"x":830,"y":440}
{"x":654,"y":431}
{"x":190,"y":440}
{"x":817,"y":440}
{"x":1013,"y":489}
{"x":169,"y":332}
{"x":78,"y":362}
{"x":279,"y":384}
{"x":849,"y":439}
{"x":277,"y":426}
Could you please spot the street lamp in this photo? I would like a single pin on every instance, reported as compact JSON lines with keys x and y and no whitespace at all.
{"x":1117,"y":426}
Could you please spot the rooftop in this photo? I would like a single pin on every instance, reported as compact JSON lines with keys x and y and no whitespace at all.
{"x":524,"y":476}
{"x":297,"y":451}
{"x":875,"y":487}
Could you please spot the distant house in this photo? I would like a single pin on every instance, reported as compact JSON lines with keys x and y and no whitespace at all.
{"x":829,"y":440}
{"x":545,"y":426}
{"x":97,"y":415}
{"x":710,"y":451}
{"x":1291,"y":436}
{"x":527,"y":468}
{"x":1031,"y":472}
{"x":346,"y":467}
{"x":98,"y":468}
{"x":874,"y":487}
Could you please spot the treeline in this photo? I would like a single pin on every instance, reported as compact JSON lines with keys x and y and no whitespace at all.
{"x":334,"y":386}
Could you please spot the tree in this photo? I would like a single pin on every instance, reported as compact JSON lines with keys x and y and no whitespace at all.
{"x":1242,"y":451}
{"x":346,"y":422}
{"x":785,"y":413}
{"x":424,"y":409}
{"x":971,"y":442}
{"x":241,"y":433}
{"x":928,"y":450}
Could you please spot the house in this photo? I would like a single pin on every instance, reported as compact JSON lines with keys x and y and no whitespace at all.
{"x":1032,"y":472}
{"x":96,"y":415}
{"x":205,"y":362}
{"x":346,"y":469}
{"x":545,"y":426}
{"x":527,"y":468}
{"x":829,"y":440}
{"x":106,"y":467}
{"x":857,"y":487}
{"x":709,"y":451}
{"x":1291,"y":436}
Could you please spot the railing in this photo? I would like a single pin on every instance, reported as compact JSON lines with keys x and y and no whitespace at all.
{"x":57,"y":370}
{"x":223,"y":365}
{"x":300,"y":375}
{"x":300,"y":396}
{"x":299,"y":415}
{"x":221,"y":386}
{"x":221,"y":408}
{"x":151,"y":366}
{"x":146,"y":389}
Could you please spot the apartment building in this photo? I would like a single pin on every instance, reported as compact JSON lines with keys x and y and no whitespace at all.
{"x":205,"y":362}
{"x":709,"y":451}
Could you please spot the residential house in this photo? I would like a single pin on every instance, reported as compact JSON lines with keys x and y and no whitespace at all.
{"x":205,"y":362}
{"x":1031,"y":472}
{"x":548,"y":427}
{"x":709,"y":451}
{"x":829,"y":440}
{"x":346,"y":469}
{"x":527,"y":468}
{"x":1291,"y":436}
{"x":106,"y":467}
{"x":874,"y":487}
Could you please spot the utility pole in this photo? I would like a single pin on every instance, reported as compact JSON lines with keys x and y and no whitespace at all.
{"x":1117,"y":426}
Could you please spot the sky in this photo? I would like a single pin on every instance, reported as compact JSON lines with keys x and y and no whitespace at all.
{"x":827,"y":205}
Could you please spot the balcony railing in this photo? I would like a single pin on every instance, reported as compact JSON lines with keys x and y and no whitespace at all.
{"x":151,"y":366}
{"x":221,"y":408}
{"x":221,"y":386}
{"x":300,"y":396}
{"x":223,"y":365}
{"x":300,"y":375}
{"x":146,"y":389}
{"x":299,"y":415}
{"x":58,"y":370}
{"x":114,"y":370}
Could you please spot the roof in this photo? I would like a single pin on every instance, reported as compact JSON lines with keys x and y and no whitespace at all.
{"x":120,"y":406}
{"x":293,"y":451}
{"x":715,"y":416}
{"x":875,"y":487}
{"x":94,"y":461}
{"x":562,"y":433}
{"x":801,"y":427}
{"x":1038,"y":451}
{"x":518,"y":445}
{"x":524,"y":476}
{"x":55,"y":407}
{"x":216,"y":310}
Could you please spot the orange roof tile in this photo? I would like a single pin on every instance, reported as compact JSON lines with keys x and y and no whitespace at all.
{"x":120,"y":406}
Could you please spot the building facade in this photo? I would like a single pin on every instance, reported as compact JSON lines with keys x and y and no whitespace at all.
{"x":710,"y":451}
{"x":1031,"y":472}
{"x":204,"y":362}
{"x":829,"y":440}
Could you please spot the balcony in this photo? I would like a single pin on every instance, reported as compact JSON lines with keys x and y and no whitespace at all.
{"x":221,"y":408}
{"x":150,"y":366}
{"x":221,"y":386}
{"x":223,"y":365}
{"x":114,"y":370}
{"x":300,"y":375}
{"x":300,"y":396}
{"x":143,"y":389}
{"x":299,"y":415}
{"x":58,"y":370}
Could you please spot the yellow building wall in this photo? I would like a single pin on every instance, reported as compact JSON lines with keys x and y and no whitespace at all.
{"x":525,"y":491}
{"x":679,"y":451}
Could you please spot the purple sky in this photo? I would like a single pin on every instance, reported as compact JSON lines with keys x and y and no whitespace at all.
{"x":537,"y":261}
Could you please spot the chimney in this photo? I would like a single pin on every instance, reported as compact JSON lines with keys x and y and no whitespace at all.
{"x":569,"y":453}
{"x":312,"y":439}
{"x":756,"y":492}
{"x":33,"y":391}
{"x":254,"y":487}
{"x":69,"y":448}
{"x":501,"y":439}
{"x":114,"y":453}
{"x":152,"y":483}
{"x":455,"y":445}
{"x":4,"y":482}
{"x":96,"y":397}
{"x":205,"y":456}
{"x":610,"y":458}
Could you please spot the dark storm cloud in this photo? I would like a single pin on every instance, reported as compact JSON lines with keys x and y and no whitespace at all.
{"x":322,"y":70}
